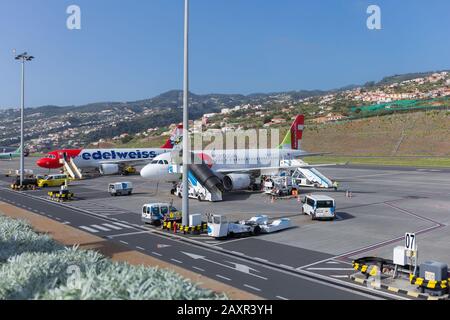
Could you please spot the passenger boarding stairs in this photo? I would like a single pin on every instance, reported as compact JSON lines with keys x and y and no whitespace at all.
{"x":204,"y":185}
{"x":71,"y":169}
{"x":307,"y":176}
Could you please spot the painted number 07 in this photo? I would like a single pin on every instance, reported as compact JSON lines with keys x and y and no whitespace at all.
{"x":410,"y":241}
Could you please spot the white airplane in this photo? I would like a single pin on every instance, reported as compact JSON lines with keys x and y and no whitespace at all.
{"x":237,"y":169}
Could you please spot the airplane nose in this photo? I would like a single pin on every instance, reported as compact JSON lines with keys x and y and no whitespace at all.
{"x":146,"y":172}
{"x":42,"y":163}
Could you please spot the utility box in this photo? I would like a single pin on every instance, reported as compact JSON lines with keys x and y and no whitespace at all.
{"x":434,"y":271}
{"x":400,"y":257}
{"x":195,"y":220}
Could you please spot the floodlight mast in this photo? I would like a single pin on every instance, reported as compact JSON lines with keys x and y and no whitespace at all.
{"x":24,"y":57}
{"x":186,"y":151}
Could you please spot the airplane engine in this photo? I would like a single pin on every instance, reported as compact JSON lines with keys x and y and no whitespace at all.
{"x":235,"y":182}
{"x":109,"y":169}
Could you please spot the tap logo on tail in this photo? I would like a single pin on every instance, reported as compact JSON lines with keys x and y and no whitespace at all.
{"x":294,"y":136}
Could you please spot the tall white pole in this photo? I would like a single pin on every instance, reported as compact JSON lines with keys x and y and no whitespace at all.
{"x":22,"y":108}
{"x":186,"y":151}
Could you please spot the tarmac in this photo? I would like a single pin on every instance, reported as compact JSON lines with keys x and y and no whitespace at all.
{"x":386,"y":203}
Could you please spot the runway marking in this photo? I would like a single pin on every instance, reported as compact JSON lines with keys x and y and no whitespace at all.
{"x":89,"y":229}
{"x":128,"y":234}
{"x":177,"y":261}
{"x":140,"y":248}
{"x":286,"y":266}
{"x":262,"y":260}
{"x":157,"y":254}
{"x":222,"y":277}
{"x":340,"y":276}
{"x":66,"y":222}
{"x":123,"y":225}
{"x":199,"y":269}
{"x":282,"y":298}
{"x":330,"y":269}
{"x":251,"y":287}
{"x":332,"y":262}
{"x":100,"y":227}
{"x":112,"y":226}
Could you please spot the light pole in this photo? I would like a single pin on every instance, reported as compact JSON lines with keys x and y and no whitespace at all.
{"x":24,"y":57}
{"x":186,"y":151}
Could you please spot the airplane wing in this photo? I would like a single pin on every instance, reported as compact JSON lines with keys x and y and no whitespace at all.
{"x":128,"y":162}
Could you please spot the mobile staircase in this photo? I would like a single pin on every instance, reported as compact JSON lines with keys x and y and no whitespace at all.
{"x":71,"y":169}
{"x":307,"y":176}
{"x":204,"y":185}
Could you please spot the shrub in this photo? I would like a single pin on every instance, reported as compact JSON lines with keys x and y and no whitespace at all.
{"x":33,"y":266}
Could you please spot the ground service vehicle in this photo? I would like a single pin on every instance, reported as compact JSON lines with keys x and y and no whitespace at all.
{"x":27,"y":183}
{"x":120,"y":189}
{"x":319,"y":207}
{"x":155,"y":213}
{"x":219,"y":227}
{"x":55,"y":180}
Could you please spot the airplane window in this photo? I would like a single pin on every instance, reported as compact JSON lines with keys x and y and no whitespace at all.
{"x":166,"y":162}
{"x":161,"y":162}
{"x":155,"y":162}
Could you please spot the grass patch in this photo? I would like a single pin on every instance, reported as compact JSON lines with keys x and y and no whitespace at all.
{"x":383,"y":161}
{"x":33,"y":266}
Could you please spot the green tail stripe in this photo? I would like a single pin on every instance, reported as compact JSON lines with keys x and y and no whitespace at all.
{"x":287,"y":140}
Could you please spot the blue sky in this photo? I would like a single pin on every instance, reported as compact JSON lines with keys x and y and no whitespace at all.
{"x":129,"y":50}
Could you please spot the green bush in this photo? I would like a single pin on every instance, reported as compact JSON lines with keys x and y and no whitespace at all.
{"x":17,"y":237}
{"x":33,"y":266}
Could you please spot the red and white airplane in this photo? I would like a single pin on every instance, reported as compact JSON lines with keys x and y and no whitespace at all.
{"x":237,"y":168}
{"x":109,"y":161}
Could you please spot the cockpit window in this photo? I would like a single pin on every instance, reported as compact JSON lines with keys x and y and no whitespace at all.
{"x":161,"y":162}
{"x":51,"y":156}
{"x":155,"y":162}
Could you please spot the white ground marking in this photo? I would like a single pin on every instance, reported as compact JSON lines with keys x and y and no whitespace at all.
{"x":140,"y":248}
{"x":286,"y":266}
{"x":112,"y":226}
{"x":251,"y":287}
{"x":177,"y":261}
{"x":281,"y":298}
{"x":123,"y":225}
{"x":332,"y":262}
{"x":157,"y":254}
{"x":199,"y":269}
{"x":222,"y":277}
{"x":339,"y":276}
{"x":127,"y":234}
{"x":100,"y":227}
{"x":124,"y":242}
{"x":89,"y":229}
{"x":330,"y":269}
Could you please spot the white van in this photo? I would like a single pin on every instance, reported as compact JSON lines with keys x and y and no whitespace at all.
{"x":120,"y":189}
{"x":319,"y":207}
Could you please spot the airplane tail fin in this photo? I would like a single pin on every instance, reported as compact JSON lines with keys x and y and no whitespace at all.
{"x":293,"y":138}
{"x":175,"y":138}
{"x":18,"y":151}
